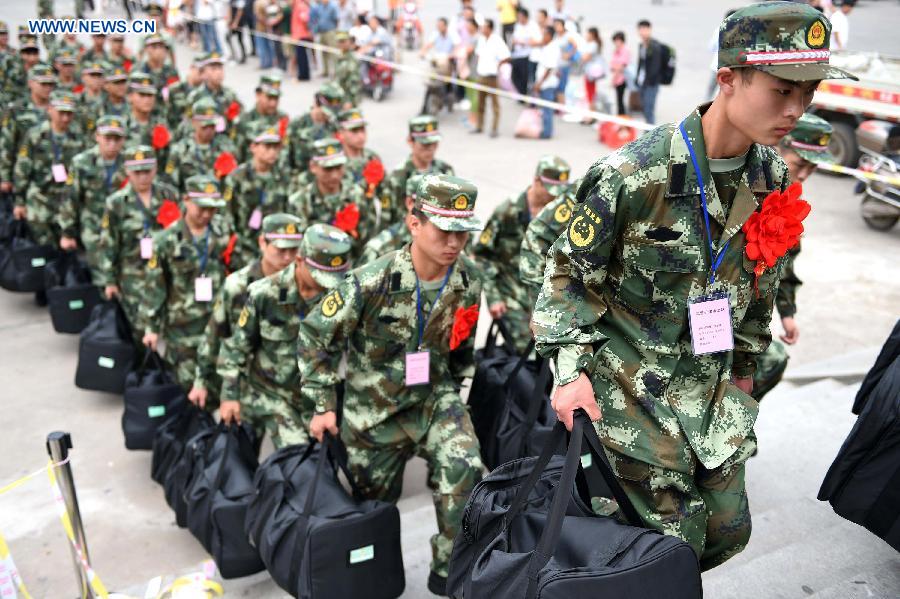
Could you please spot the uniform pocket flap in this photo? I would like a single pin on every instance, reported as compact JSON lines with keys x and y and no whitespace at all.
{"x":670,"y":258}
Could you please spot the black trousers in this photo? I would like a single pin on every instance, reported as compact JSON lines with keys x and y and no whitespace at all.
{"x":620,"y":99}
{"x":520,"y":72}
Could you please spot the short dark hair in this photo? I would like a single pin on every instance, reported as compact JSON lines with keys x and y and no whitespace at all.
{"x":472,"y":21}
{"x":644,"y":23}
{"x":489,"y":23}
{"x":548,"y":30}
{"x":746,"y":74}
{"x":619,"y":35}
{"x":443,"y":20}
{"x":522,"y":11}
{"x":542,"y":11}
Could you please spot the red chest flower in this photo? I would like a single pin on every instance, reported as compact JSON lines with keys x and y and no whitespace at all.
{"x":373,"y":173}
{"x":347,"y":220}
{"x":776,"y":228}
{"x":168,"y":213}
{"x":282,"y":126}
{"x":229,"y":250}
{"x":126,"y":64}
{"x":78,"y":89}
{"x":160,"y":137}
{"x":463,"y":322}
{"x":171,"y":80}
{"x":233,"y":110}
{"x":224,"y":164}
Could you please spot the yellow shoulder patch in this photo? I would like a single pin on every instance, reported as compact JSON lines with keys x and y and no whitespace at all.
{"x":242,"y":319}
{"x":563,"y":213}
{"x":170,"y":167}
{"x":332,"y":303}
{"x":23,"y":151}
{"x":485,"y":237}
{"x":152,"y":262}
{"x":104,"y":222}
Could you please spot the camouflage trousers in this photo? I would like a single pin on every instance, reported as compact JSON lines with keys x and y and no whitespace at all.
{"x":44,"y":233}
{"x":770,"y":367}
{"x":706,"y":508}
{"x":272,"y":414}
{"x":443,"y":435}
{"x":90,"y":241}
{"x":181,"y":356}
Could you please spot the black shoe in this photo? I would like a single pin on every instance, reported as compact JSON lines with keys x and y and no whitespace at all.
{"x":475,"y":131}
{"x":437,"y":584}
{"x":40,"y":298}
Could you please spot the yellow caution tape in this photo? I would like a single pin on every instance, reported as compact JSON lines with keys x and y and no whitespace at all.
{"x":854,"y":172}
{"x":194,"y":583}
{"x":27,"y":477}
{"x":10,"y":581}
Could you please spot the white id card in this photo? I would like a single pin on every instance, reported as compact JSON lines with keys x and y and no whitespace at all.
{"x":220,"y":124}
{"x":255,"y":221}
{"x":146,"y":248}
{"x":417,"y":368}
{"x":59,"y":173}
{"x":203,"y":291}
{"x":710,"y":321}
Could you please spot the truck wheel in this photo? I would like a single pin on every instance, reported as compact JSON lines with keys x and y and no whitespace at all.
{"x":843,"y":145}
{"x":878,"y":215}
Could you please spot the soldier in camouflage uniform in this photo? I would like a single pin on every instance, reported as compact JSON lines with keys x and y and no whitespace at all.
{"x":260,"y":380}
{"x":256,"y":189}
{"x":423,"y":142}
{"x":118,"y":55}
{"x":272,"y":258}
{"x":265,"y":113}
{"x":156,"y":64}
{"x":98,"y":172}
{"x":15,"y":69}
{"x":197,"y":154}
{"x":132,"y":214}
{"x":543,"y":230}
{"x":22,"y":116}
{"x":64,"y":62}
{"x":637,"y":256}
{"x":409,"y":351}
{"x":43,"y":171}
{"x":145,"y":118}
{"x":320,"y":122}
{"x":97,"y":51}
{"x":330,"y":198}
{"x":346,"y":70}
{"x":184,"y":276}
{"x":90,"y":100}
{"x":804,"y":148}
{"x":362,"y":160}
{"x":498,"y":247}
{"x":397,"y":236}
{"x":212,"y":73}
{"x":178,"y":94}
{"x":115,"y":87}
{"x":45,"y":11}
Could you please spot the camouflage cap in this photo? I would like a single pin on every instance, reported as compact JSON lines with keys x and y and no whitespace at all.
{"x":205,"y":111}
{"x":341,"y":36}
{"x":448,"y":202}
{"x":116,"y":37}
{"x":155,"y":38}
{"x":351,"y":118}
{"x":326,"y":251}
{"x":139,"y":158}
{"x":4,"y":28}
{"x":210,"y":58}
{"x":65,"y":56}
{"x":269,"y":84}
{"x":203,"y":191}
{"x":789,"y":40}
{"x":331,"y":92}
{"x":94,"y":67}
{"x":554,"y":173}
{"x":810,"y":139}
{"x":412,"y":185}
{"x":328,"y":152}
{"x":262,"y":133}
{"x":28,"y":42}
{"x":141,"y":83}
{"x":62,"y":99}
{"x":111,"y":125}
{"x":424,"y":129}
{"x":154,"y":10}
{"x":115,"y":73}
{"x":42,"y":73}
{"x":283,"y":230}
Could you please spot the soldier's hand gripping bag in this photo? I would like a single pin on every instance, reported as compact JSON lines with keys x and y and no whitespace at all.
{"x":510,"y":403}
{"x":217,"y":496}
{"x":70,"y":295}
{"x":172,"y":436}
{"x":151,"y":394}
{"x":528,"y":533}
{"x":317,"y":540}
{"x":22,"y":262}
{"x":105,"y":350}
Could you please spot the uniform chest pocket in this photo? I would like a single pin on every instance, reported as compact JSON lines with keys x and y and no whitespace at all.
{"x":280,"y":332}
{"x":657,"y":277}
{"x":767,"y":282}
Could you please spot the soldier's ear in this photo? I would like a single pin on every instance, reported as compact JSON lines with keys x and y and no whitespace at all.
{"x":261,"y":240}
{"x":727,"y":79}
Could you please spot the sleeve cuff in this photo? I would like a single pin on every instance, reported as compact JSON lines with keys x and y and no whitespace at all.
{"x":743,"y":366}
{"x":571,"y":361}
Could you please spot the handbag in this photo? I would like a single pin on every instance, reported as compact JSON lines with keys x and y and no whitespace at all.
{"x":529,"y":125}
{"x":527,"y":533}
{"x":172,"y":436}
{"x":70,"y":295}
{"x":218,"y":493}
{"x":105,"y":350}
{"x":151,"y":394}
{"x":509,"y":402}
{"x":317,"y":540}
{"x":23,"y":260}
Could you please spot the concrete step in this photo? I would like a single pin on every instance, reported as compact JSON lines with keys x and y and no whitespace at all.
{"x":878,"y":581}
{"x":850,"y":367}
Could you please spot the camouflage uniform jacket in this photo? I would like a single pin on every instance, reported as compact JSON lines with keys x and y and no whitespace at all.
{"x":373,"y":313}
{"x":13,"y":83}
{"x":169,"y":306}
{"x":245,"y":123}
{"x":394,"y":238}
{"x":17,"y":120}
{"x":188,"y":158}
{"x":121,"y":109}
{"x":246,"y":190}
{"x":89,"y":110}
{"x":301,"y":134}
{"x":347,"y":75}
{"x":91,"y":55}
{"x":224,"y":314}
{"x":141,"y":134}
{"x":223,"y":99}
{"x":94,"y":180}
{"x":381,"y":193}
{"x":177,"y":105}
{"x":310,"y":204}
{"x":261,"y":354}
{"x":543,"y":230}
{"x":161,"y":78}
{"x":786,"y":298}
{"x":397,"y":182}
{"x":35,"y":185}
{"x":614,"y":301}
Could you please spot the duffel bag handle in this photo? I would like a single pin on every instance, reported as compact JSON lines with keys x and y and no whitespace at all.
{"x":233,"y":434}
{"x":329,"y":450}
{"x":536,"y":401}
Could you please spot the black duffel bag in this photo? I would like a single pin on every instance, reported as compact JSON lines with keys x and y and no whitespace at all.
{"x":22,"y":261}
{"x":218,"y":493}
{"x":510,"y":402}
{"x":105,"y":350}
{"x":70,"y":295}
{"x":172,"y":436}
{"x":526,"y":533}
{"x":151,"y":394}
{"x":317,"y":540}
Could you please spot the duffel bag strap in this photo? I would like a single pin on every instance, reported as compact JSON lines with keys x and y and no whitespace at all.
{"x":229,"y":439}
{"x":536,"y":401}
{"x":338,"y":452}
{"x":507,"y":338}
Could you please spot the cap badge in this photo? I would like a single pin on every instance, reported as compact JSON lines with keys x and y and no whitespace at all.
{"x":138,"y":155}
{"x":290,"y":229}
{"x":815,"y":36}
{"x":210,"y":188}
{"x":337,"y":261}
{"x":460,"y":202}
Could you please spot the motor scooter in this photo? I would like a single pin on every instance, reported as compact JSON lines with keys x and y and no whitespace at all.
{"x":378,"y":80}
{"x":438,"y":93}
{"x":409,"y":26}
{"x":879,"y":144}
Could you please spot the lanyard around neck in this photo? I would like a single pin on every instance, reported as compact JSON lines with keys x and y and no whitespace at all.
{"x":421,"y":317}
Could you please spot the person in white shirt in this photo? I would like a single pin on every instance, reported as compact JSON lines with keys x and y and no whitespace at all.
{"x":840,"y":25}
{"x":490,"y":53}
{"x":526,"y":42}
{"x":547,"y":79}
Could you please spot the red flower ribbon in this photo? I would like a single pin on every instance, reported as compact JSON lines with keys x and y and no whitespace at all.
{"x":463,"y":322}
{"x":373,"y":173}
{"x":124,"y":183}
{"x":229,"y":249}
{"x":347,"y":220}
{"x":78,"y":89}
{"x":233,"y":110}
{"x":282,"y":126}
{"x":776,"y":228}
{"x":160,"y":137}
{"x":168,"y":213}
{"x":171,"y":80}
{"x":126,"y":64}
{"x":224,"y":164}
